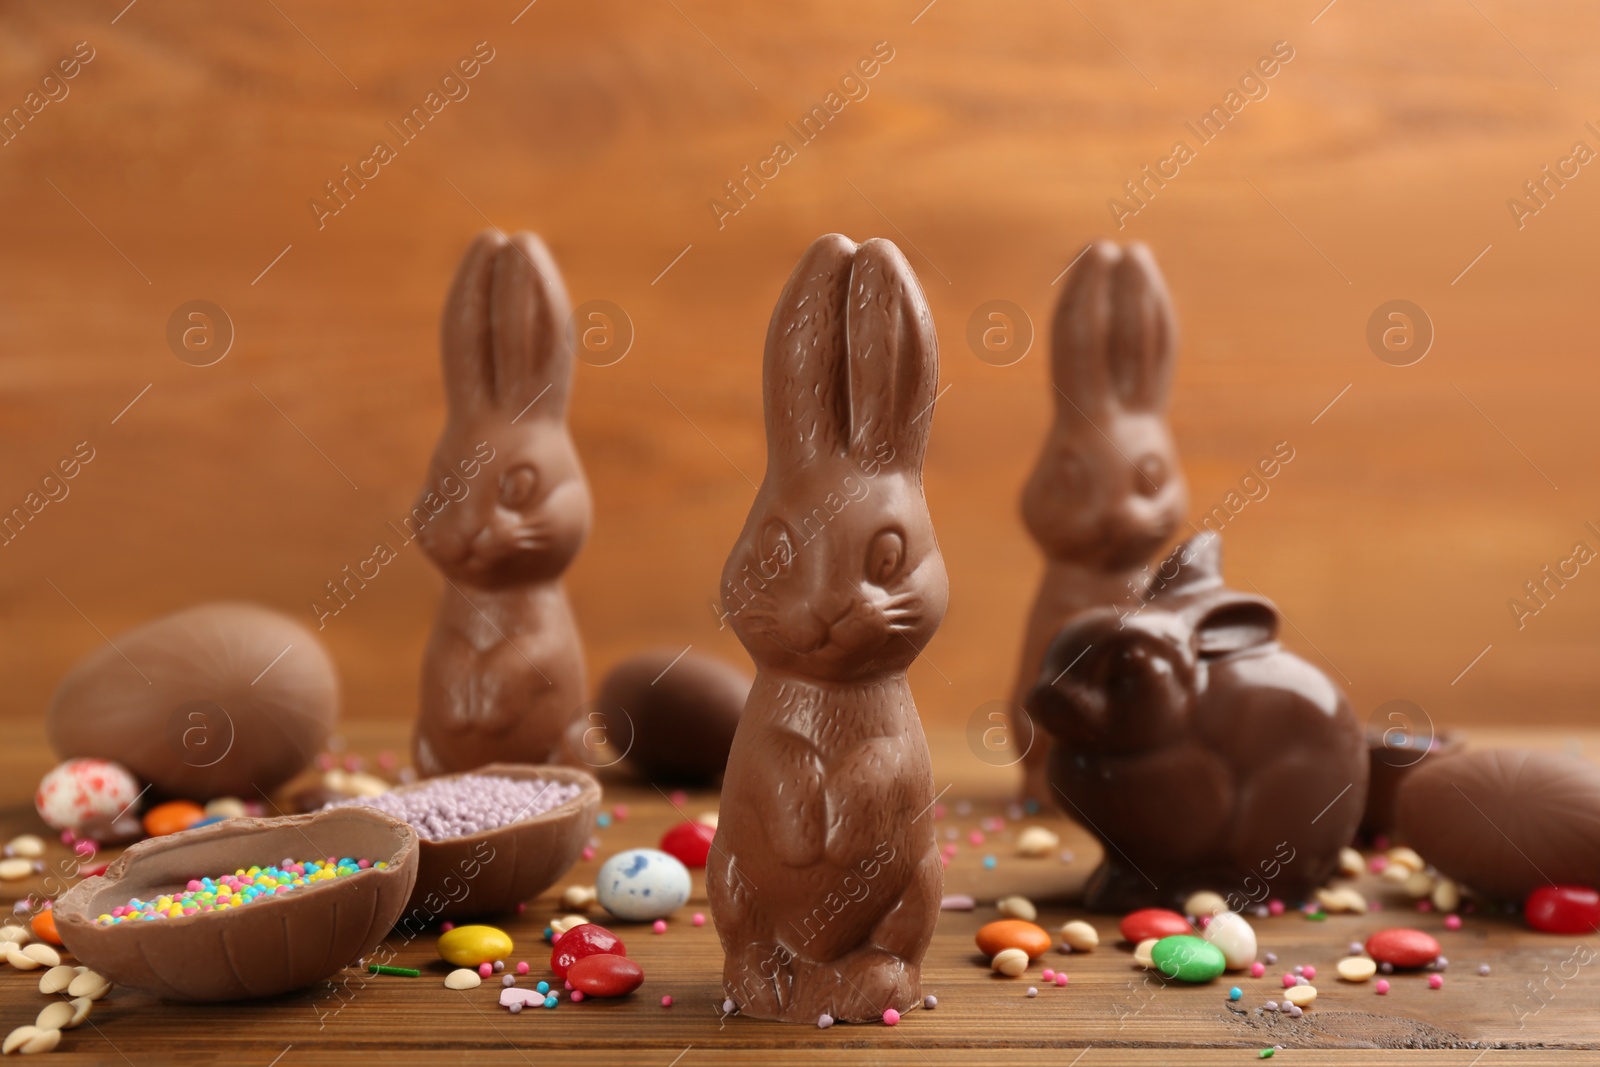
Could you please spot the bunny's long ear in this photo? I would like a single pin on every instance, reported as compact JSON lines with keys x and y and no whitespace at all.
{"x":1114,"y":333}
{"x":803,"y":374}
{"x":532,"y":349}
{"x":893,"y":355}
{"x":464,"y":340}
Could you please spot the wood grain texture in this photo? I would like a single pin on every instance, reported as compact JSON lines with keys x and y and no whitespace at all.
{"x":1534,"y":1008}
{"x":1379,"y":164}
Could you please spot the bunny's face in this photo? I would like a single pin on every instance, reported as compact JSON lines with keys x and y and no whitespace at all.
{"x":1108,"y":489}
{"x":508,"y":369}
{"x":837,"y":575}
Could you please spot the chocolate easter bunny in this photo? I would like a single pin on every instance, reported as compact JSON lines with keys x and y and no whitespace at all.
{"x":824,"y":877}
{"x":1107,"y":491}
{"x":1202,"y":753}
{"x":508,"y":507}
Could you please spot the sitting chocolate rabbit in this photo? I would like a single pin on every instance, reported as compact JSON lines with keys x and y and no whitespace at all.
{"x":1203,"y":754}
{"x":506,"y":510}
{"x":1107,"y":491}
{"x":824,"y":877}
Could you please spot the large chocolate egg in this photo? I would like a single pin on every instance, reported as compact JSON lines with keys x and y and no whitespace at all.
{"x":1505,"y":821}
{"x":680,"y":708}
{"x":217,"y":700}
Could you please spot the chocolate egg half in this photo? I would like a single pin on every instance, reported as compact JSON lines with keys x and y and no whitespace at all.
{"x":217,"y":700}
{"x":271,"y":945}
{"x":681,"y":713}
{"x":1505,"y":821}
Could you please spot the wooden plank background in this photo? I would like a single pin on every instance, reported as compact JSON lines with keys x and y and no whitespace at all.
{"x":182,"y":161}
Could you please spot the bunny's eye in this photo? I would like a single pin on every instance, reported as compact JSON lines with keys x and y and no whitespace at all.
{"x":777,"y":552}
{"x":517,"y":486}
{"x":884,"y":556}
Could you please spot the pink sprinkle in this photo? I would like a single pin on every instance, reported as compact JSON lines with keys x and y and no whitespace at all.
{"x":620,"y":812}
{"x":577,"y":995}
{"x":567,"y":984}
{"x":352,"y":763}
{"x":194,"y":885}
{"x":1289,"y":981}
{"x":1377,"y":864}
{"x":1382,"y":987}
{"x":1275,"y":907}
{"x":679,"y":798}
{"x":890,"y":1017}
{"x":1424,"y":905}
{"x":485,"y":970}
{"x":1257,"y":969}
{"x":326,"y":762}
{"x":588,"y":852}
{"x":1310,"y":971}
{"x":938,"y":811}
{"x":1205,"y":921}
{"x":521,"y":907}
{"x":1452,"y":922}
{"x":84,"y":847}
{"x":699,"y":919}
{"x":666,"y":1002}
{"x":68,"y":837}
{"x":659,"y":926}
{"x":522,"y":966}
{"x":1061,"y":978}
{"x":976,"y":837}
{"x":445,"y":928}
{"x":1435,"y":981}
{"x":1049,"y":975}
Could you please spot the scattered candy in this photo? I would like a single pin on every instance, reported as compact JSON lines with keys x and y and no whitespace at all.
{"x":1188,"y":958}
{"x":1080,"y":936}
{"x":1401,"y":946}
{"x":823,"y":1021}
{"x":469,"y":946}
{"x":399,"y":972}
{"x":689,"y":843}
{"x":1204,"y":902}
{"x":698,"y":919}
{"x":1356,"y":968}
{"x":1061,"y":978}
{"x":1382,"y":986}
{"x":1235,"y":993}
{"x":235,"y":890}
{"x":1010,"y":962}
{"x":1563,"y":909}
{"x":1270,"y":958}
{"x":1301,"y":996}
{"x":666,"y":1002}
{"x":930,"y":1002}
{"x":1153,"y":922}
{"x":957,"y":902}
{"x":1036,"y":842}
{"x":1483,"y":969}
{"x":1234,"y":937}
{"x":172,"y":817}
{"x":1049,"y":975}
{"x":990,"y":863}
{"x":659,"y":926}
{"x":1308,"y":971}
{"x":1257,"y":969}
{"x":462,"y":978}
{"x":485,"y":970}
{"x":508,"y":980}
{"x":1435,"y":981}
{"x":522,"y":966}
{"x":83,"y":790}
{"x":890,"y":1017}
{"x":1033,"y":991}
{"x":30,"y":1039}
{"x":1275,"y":907}
{"x":1017,"y":908}
{"x":604,"y":975}
{"x":1142,"y":952}
{"x":1013,"y":934}
{"x":642,"y":884}
{"x":1452,"y":922}
{"x":590,"y":939}
{"x":1295,"y":1011}
{"x":43,"y":926}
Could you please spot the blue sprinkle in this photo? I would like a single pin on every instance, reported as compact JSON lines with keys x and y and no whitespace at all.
{"x":990,"y":863}
{"x":543,"y":987}
{"x":1235,"y":993}
{"x":1031,"y":807}
{"x":603,"y":819}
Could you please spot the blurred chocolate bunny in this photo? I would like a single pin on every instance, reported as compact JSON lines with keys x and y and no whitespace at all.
{"x":824,"y":877}
{"x":1201,"y":752}
{"x":1107,"y":491}
{"x":503,"y":674}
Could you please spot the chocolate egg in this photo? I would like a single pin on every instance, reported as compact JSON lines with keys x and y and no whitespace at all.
{"x":217,"y":700}
{"x":269,"y":946}
{"x":1505,"y":821}
{"x":678,"y":711}
{"x":490,"y":873}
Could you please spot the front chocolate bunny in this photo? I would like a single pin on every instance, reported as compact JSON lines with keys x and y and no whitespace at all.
{"x":824,"y":877}
{"x":508,"y":509}
{"x":1201,"y":753}
{"x":1107,"y":491}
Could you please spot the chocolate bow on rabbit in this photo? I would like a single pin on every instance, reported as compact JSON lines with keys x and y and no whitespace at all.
{"x":1107,"y":491}
{"x":824,"y":878}
{"x":506,"y":509}
{"x":1203,"y":754}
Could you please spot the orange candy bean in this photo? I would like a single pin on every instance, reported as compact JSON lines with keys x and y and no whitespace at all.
{"x":44,"y":927}
{"x":1013,"y":933}
{"x":174,"y":815}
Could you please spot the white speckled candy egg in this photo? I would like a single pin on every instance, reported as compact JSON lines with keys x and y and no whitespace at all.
{"x":81,"y":790}
{"x":642,"y":884}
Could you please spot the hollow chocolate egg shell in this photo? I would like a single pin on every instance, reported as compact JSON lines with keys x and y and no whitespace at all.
{"x":491,"y":872}
{"x":270,"y":946}
{"x":216,"y":700}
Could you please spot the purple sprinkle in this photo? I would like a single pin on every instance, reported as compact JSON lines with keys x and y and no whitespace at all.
{"x":448,"y":808}
{"x":1483,"y":969}
{"x":1295,"y":1011}
{"x":509,"y":980}
{"x":1298,"y":969}
{"x":1386,"y":967}
{"x":1357,"y":948}
{"x":516,"y":1006}
{"x":1271,"y":958}
{"x":499,"y":966}
{"x":1271,"y":1005}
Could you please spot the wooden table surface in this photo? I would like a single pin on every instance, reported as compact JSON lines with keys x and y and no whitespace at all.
{"x":1111,"y":1008}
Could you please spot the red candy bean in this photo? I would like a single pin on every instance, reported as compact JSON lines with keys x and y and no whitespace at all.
{"x":582,"y":941}
{"x":1146,"y":923}
{"x":689,"y":843}
{"x":1563,"y":909}
{"x":1402,"y":947}
{"x":605,"y":975}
